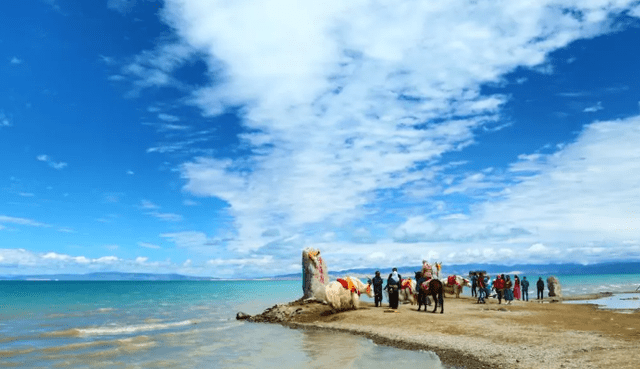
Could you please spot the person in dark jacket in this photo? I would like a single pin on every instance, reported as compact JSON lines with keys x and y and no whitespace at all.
{"x":393,"y":287}
{"x":525,"y":289}
{"x":474,"y":285}
{"x":481,"y":288}
{"x":540,"y":286}
{"x":377,"y":288}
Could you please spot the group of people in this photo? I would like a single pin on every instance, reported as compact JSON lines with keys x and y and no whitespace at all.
{"x":394,"y":284}
{"x":393,"y":288}
{"x":504,"y":287}
{"x":481,"y":287}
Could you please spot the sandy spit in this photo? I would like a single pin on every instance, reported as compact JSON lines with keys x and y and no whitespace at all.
{"x":468,"y":335}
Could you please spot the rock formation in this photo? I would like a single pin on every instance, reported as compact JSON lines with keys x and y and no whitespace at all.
{"x":314,"y":274}
{"x":555,"y":290}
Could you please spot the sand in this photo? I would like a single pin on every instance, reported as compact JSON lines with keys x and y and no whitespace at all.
{"x":469,"y":335}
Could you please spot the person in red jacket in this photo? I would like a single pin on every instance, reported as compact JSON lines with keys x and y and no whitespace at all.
{"x":499,"y":286}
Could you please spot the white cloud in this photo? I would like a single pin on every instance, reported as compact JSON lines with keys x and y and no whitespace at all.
{"x":187,"y":239}
{"x":170,"y":217}
{"x":15,"y":61}
{"x":53,"y":164}
{"x":154,"y":68}
{"x":335,"y":100}
{"x":148,"y":245}
{"x":146,"y":204}
{"x":416,"y":228}
{"x":593,"y":108}
{"x":346,"y":101}
{"x":130,"y":172}
{"x":121,"y":6}
{"x":4,"y":121}
{"x":78,"y":259}
{"x":22,"y":221}
{"x":168,"y":117}
{"x":141,"y":259}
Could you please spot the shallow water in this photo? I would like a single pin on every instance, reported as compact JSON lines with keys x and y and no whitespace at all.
{"x":172,"y":325}
{"x":192,"y":325}
{"x":622,"y":301}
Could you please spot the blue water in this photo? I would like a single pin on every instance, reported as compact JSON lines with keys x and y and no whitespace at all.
{"x":45,"y":324}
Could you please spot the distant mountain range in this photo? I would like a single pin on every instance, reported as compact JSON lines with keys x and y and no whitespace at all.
{"x":108,"y":276}
{"x":405,"y":271}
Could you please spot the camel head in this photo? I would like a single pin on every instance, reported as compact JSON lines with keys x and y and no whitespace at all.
{"x":368,"y":290}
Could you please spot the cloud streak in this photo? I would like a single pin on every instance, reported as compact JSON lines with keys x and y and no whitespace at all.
{"x":347,"y":105}
{"x":53,"y":164}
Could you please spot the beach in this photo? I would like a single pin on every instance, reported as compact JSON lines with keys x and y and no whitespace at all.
{"x":469,"y":335}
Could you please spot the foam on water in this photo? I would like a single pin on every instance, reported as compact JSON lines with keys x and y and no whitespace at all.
{"x":132,"y":329}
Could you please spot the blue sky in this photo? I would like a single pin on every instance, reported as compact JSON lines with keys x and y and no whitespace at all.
{"x":220,"y":138}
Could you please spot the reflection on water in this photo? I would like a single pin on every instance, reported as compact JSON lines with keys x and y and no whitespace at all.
{"x":623,"y":301}
{"x":327,"y":349}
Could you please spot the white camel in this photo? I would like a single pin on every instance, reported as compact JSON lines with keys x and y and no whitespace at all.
{"x":344,"y":294}
{"x":316,"y":285}
{"x":407,"y":292}
{"x":454,"y":284}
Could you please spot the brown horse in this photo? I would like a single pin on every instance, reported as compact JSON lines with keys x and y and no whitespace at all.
{"x":434,"y":288}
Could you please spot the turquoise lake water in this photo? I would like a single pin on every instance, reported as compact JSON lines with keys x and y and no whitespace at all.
{"x":45,"y":324}
{"x":171,"y":325}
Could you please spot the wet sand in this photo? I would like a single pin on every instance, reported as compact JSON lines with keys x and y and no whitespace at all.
{"x":469,"y":335}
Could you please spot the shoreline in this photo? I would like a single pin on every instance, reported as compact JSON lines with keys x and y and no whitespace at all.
{"x":472,"y":336}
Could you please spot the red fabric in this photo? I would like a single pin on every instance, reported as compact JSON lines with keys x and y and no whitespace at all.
{"x":343,"y":283}
{"x":499,"y":284}
{"x":406,"y":283}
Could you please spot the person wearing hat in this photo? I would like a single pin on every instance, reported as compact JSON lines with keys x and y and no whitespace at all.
{"x":393,"y":287}
{"x":377,"y":288}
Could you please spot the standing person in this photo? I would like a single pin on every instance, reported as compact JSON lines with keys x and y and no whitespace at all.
{"x":499,"y":286}
{"x":540,"y":286}
{"x":377,"y":288}
{"x":474,"y":284}
{"x":481,"y":288}
{"x":516,"y":287}
{"x":508,"y":292}
{"x":393,"y":287}
{"x":525,"y":289}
